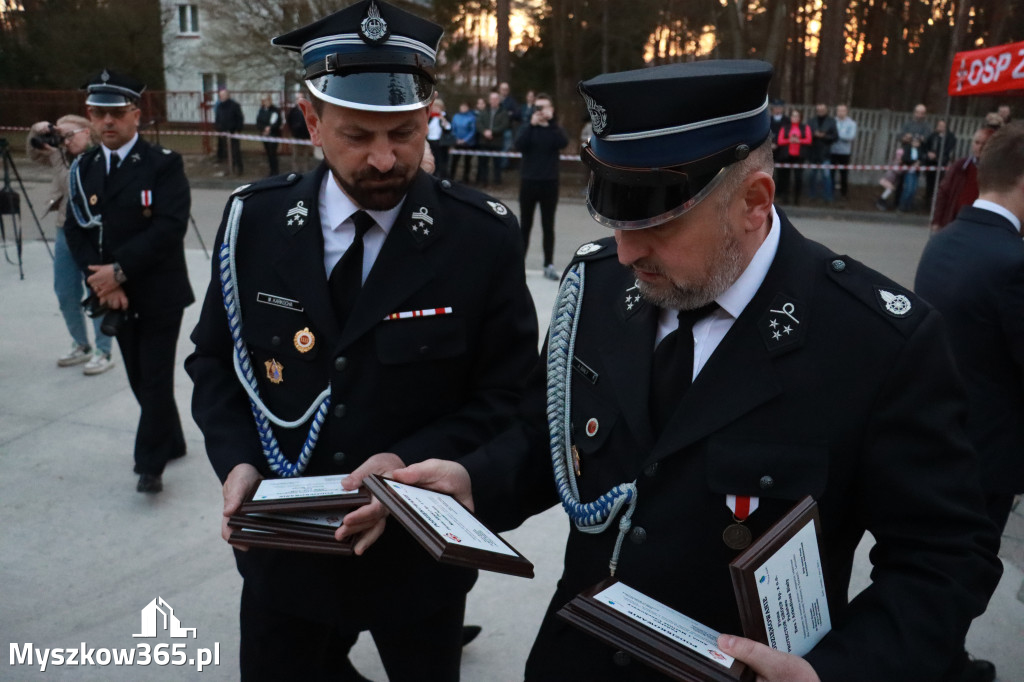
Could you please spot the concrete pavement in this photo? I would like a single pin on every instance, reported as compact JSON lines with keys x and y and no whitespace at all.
{"x":83,"y":552}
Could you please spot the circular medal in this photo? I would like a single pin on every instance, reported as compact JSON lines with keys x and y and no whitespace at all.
{"x":592,"y":427}
{"x":304,"y":340}
{"x":146,"y":213}
{"x":736,"y":536}
{"x":93,"y":199}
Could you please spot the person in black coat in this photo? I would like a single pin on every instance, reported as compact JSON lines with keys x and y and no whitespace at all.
{"x":424,"y":353}
{"x":709,"y":367}
{"x":540,"y":140}
{"x":228,"y":118}
{"x":268,"y":122}
{"x":126,"y":222}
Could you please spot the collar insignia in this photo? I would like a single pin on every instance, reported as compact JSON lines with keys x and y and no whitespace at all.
{"x":373,"y":28}
{"x":783,"y":325}
{"x":598,"y":115}
{"x":297,"y":215}
{"x":135,"y":158}
{"x":422,"y":224}
{"x":497,"y":208}
{"x":632,"y":301}
{"x":588,"y":249}
{"x":896,"y":305}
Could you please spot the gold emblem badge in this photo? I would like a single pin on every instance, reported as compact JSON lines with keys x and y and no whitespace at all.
{"x":93,"y":199}
{"x":274,"y":369}
{"x":146,"y":213}
{"x":304,"y":340}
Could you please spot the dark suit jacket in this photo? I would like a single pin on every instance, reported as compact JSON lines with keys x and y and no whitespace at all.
{"x":147,"y":240}
{"x":856,"y":406}
{"x":422,"y":387}
{"x":973,"y":273}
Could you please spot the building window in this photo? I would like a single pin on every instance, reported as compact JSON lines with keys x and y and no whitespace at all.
{"x":188,"y":19}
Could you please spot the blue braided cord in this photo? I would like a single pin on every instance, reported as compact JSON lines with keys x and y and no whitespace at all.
{"x":596,"y":516}
{"x":76,"y":191}
{"x":279,"y":464}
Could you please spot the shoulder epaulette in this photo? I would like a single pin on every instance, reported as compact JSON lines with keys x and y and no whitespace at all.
{"x":274,"y":182}
{"x":898,"y":305}
{"x":596,"y":250}
{"x":479,"y":200}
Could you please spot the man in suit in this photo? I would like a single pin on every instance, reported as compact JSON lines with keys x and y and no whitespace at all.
{"x":228,"y":118}
{"x":811,"y":375}
{"x":126,"y":221}
{"x":393,"y":303}
{"x":973,"y":273}
{"x":268,"y":122}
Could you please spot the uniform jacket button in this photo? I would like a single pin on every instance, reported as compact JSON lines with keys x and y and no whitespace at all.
{"x":339,"y":411}
{"x":446,"y":184}
{"x":767,"y":482}
{"x":638,"y":535}
{"x":621,"y":658}
{"x":340,"y":363}
{"x":651,"y":471}
{"x":339,"y":457}
{"x":275,"y":341}
{"x":838,"y":265}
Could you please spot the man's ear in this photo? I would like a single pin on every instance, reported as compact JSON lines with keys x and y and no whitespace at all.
{"x":312,"y":121}
{"x":758,"y":196}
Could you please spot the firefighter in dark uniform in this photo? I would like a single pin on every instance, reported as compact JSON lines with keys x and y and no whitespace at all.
{"x":708,"y":368}
{"x":378,"y":315}
{"x":126,"y":222}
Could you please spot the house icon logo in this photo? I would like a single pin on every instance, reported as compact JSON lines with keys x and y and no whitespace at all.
{"x":158,"y":616}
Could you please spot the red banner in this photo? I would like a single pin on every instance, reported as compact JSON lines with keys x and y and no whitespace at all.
{"x":991,"y":70}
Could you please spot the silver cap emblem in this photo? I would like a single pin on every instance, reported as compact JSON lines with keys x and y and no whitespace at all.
{"x":497,"y":208}
{"x":895,"y":304}
{"x":598,"y":115}
{"x":588,"y":249}
{"x":373,"y":28}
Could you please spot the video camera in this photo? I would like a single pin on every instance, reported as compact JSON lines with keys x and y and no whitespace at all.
{"x":51,"y":137}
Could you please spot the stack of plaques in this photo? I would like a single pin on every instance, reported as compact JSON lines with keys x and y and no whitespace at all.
{"x":299,"y":514}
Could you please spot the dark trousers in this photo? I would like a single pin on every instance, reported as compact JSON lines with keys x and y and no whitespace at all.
{"x":844,"y":173}
{"x":236,"y":151}
{"x":148,"y":346}
{"x":440,"y":159}
{"x":545,"y":193}
{"x":271,"y":149}
{"x":279,"y":646}
{"x":466,"y":162}
{"x":483,"y":163}
{"x":792,"y":179}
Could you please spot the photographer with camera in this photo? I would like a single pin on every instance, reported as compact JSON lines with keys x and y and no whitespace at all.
{"x":55,"y":146}
{"x":127,"y":216}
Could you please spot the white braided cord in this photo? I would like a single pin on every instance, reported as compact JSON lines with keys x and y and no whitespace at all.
{"x":590,"y":517}
{"x":279,"y":464}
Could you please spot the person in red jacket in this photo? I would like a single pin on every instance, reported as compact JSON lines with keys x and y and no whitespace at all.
{"x":794,"y":142}
{"x":959,"y":186}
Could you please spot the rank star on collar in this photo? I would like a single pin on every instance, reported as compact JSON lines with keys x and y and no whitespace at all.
{"x":135,"y":158}
{"x":422,"y":221}
{"x":297,"y":214}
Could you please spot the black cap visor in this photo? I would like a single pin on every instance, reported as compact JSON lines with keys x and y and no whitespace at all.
{"x":108,"y":99}
{"x":374,"y":90}
{"x":634,"y":198}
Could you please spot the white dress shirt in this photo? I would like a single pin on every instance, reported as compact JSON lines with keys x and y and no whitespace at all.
{"x":336,"y":211}
{"x":122,"y":152}
{"x":987,"y":205}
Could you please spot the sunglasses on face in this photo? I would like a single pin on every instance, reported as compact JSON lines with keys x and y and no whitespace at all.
{"x":100,"y":113}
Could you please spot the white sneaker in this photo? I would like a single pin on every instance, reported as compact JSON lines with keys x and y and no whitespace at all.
{"x":550,"y":272}
{"x":76,"y":356}
{"x":99,"y":364}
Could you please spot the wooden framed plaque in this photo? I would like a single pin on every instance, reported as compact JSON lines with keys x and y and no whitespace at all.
{"x":303,"y":493}
{"x":780,"y":583}
{"x":318,"y":525}
{"x":446,"y":529}
{"x":654,"y":634}
{"x":268,"y":539}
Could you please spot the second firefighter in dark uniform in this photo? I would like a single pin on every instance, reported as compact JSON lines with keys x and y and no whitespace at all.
{"x":383,"y":317}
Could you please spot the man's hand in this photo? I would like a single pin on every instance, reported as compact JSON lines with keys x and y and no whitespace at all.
{"x":102,"y":279}
{"x":436,"y":474}
{"x":115,"y":300}
{"x":367,"y":522}
{"x":239,"y":482}
{"x":769,"y":664}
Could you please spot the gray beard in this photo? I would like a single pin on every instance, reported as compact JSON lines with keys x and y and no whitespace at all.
{"x":725,"y":270}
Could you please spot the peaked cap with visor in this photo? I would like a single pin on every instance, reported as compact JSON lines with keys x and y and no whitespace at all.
{"x":663,"y":136}
{"x":112,"y":89}
{"x":370,"y":55}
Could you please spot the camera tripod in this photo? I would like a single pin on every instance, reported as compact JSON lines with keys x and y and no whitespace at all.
{"x":10,"y":205}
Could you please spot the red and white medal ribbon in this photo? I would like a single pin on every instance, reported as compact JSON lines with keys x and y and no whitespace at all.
{"x":147,"y":197}
{"x":426,"y":312}
{"x":741,"y":506}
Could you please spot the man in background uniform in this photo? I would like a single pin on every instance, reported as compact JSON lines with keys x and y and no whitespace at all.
{"x":708,"y":368}
{"x":126,"y":222}
{"x":391,"y":302}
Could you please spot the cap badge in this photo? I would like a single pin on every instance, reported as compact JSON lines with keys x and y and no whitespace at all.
{"x":497,"y":208}
{"x":588,"y":249}
{"x":421,"y":222}
{"x":297,"y":215}
{"x":105,"y":76}
{"x":373,"y":28}
{"x":274,"y":369}
{"x":896,"y":305}
{"x":304,"y":340}
{"x":598,"y":115}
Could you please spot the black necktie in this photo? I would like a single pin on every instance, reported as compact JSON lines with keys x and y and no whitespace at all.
{"x":114,"y":161}
{"x":672,"y":366}
{"x":347,"y":276}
